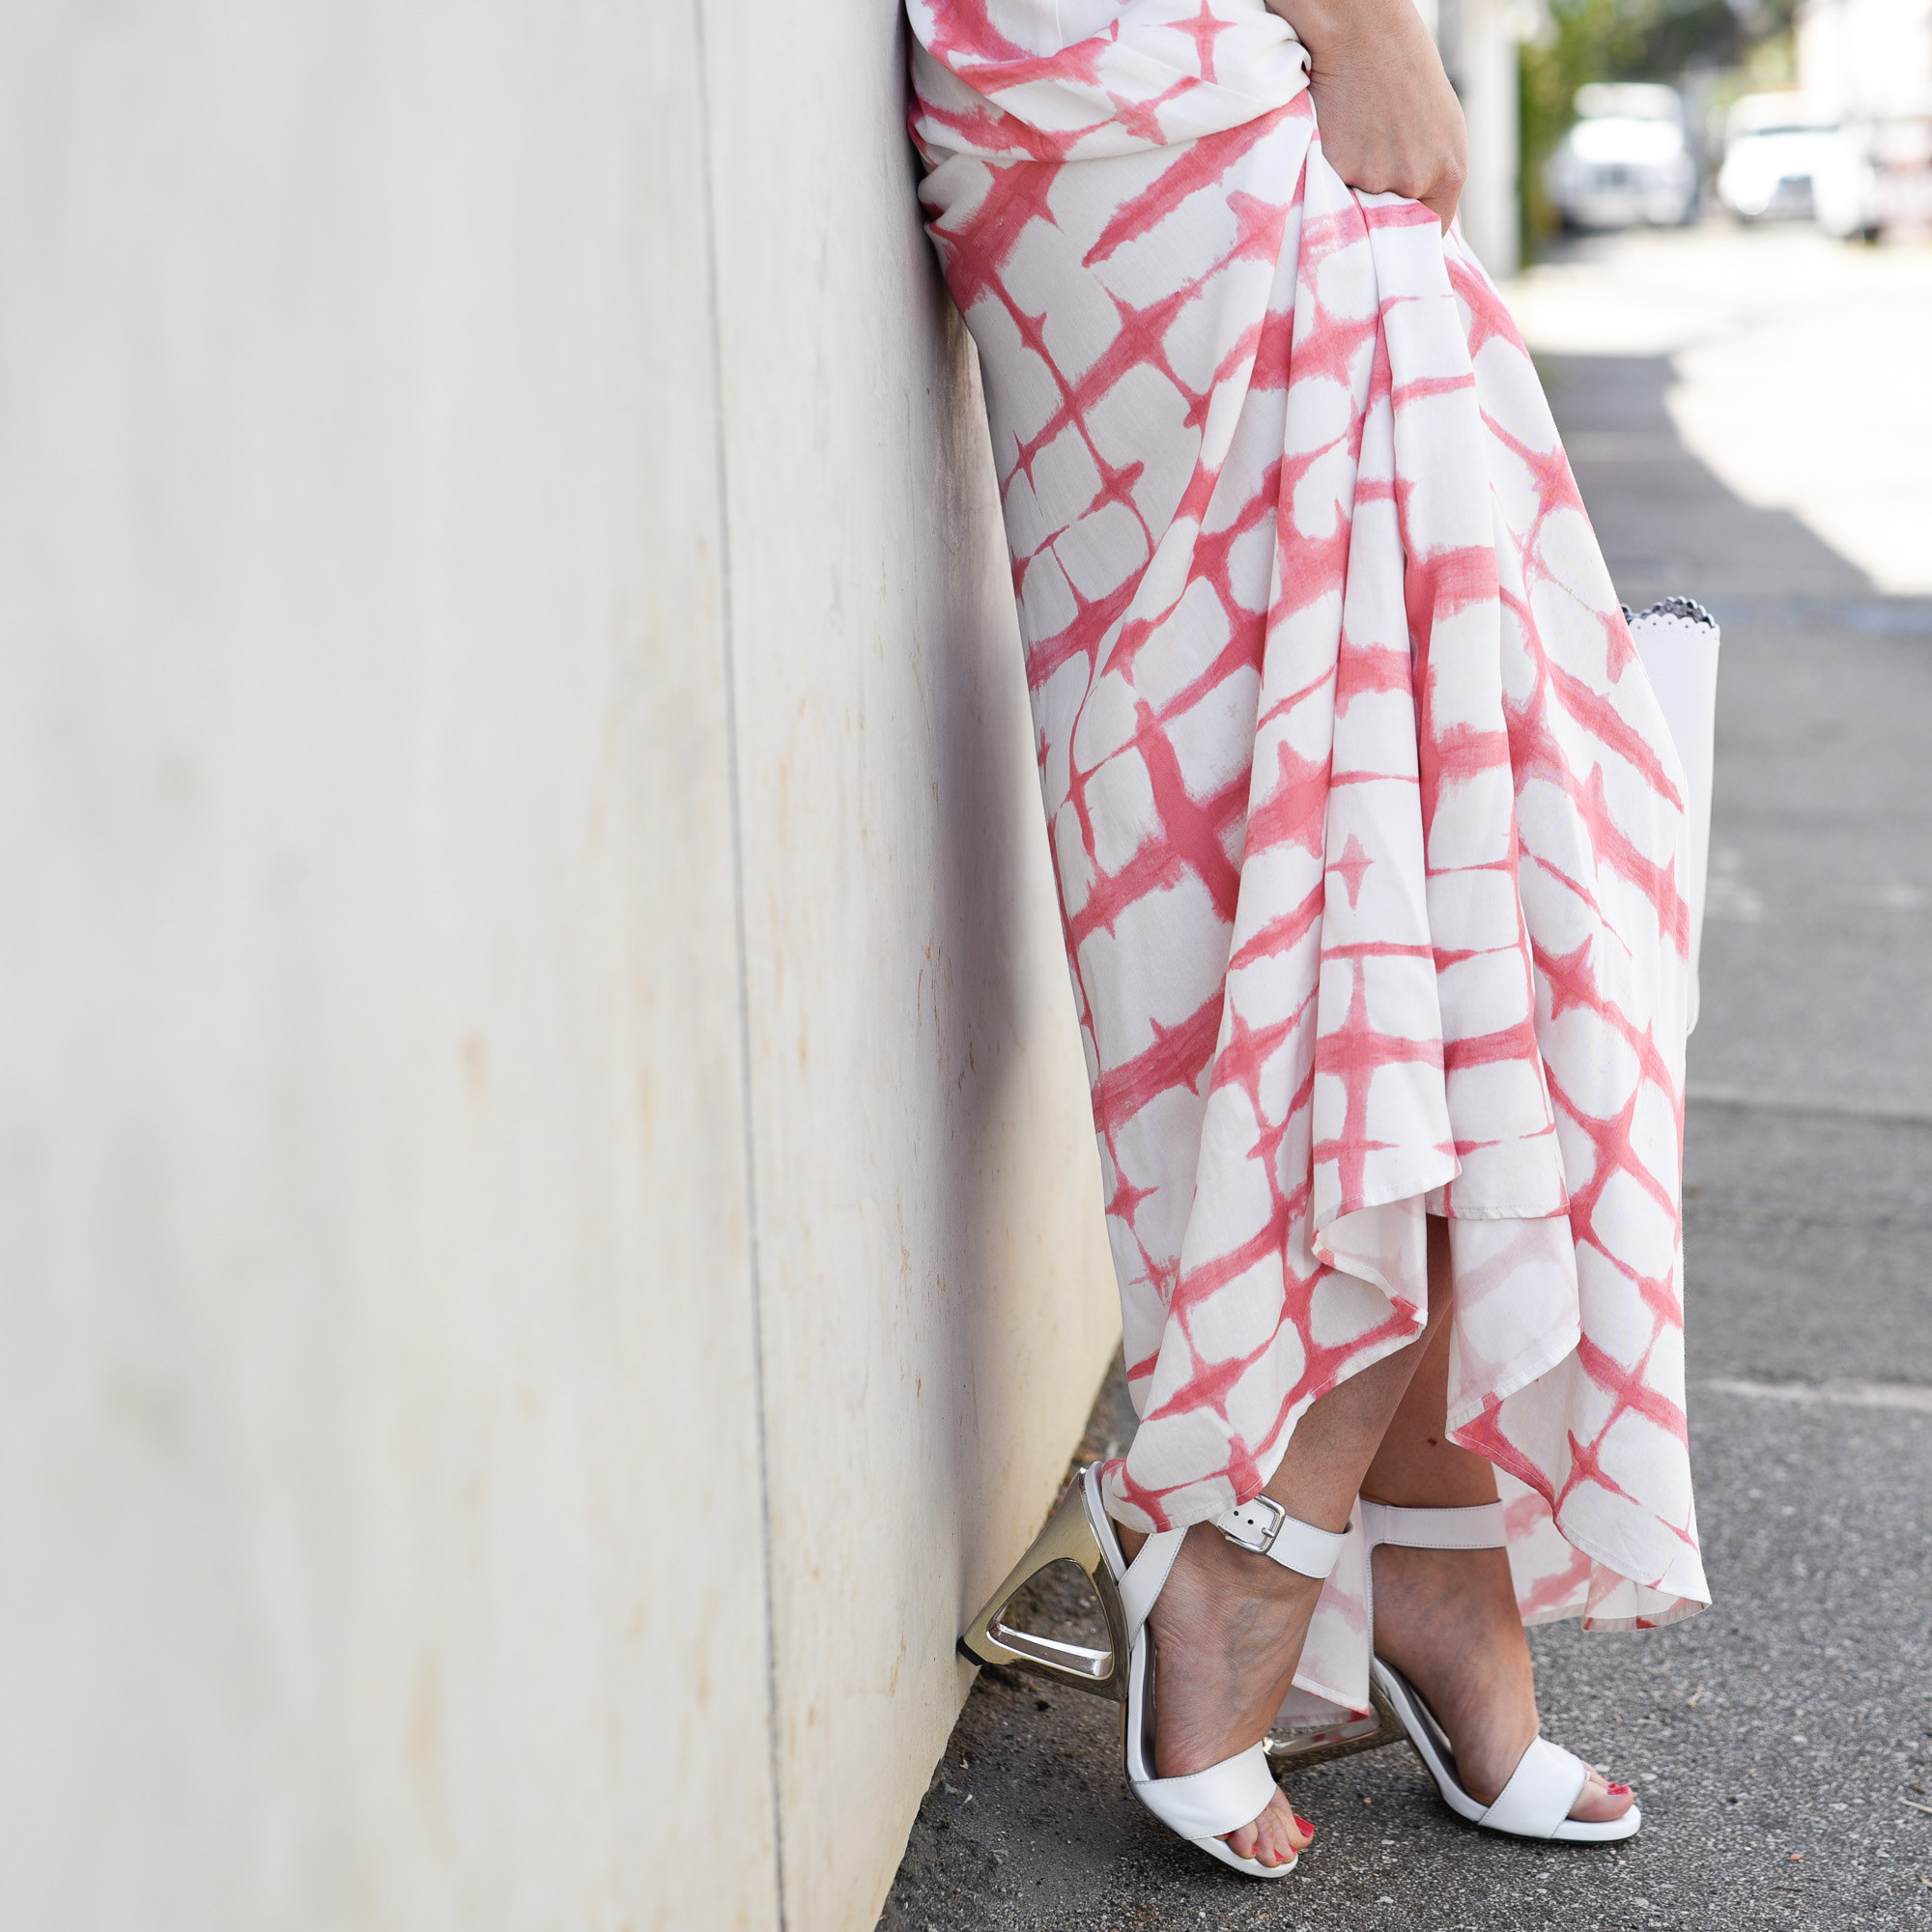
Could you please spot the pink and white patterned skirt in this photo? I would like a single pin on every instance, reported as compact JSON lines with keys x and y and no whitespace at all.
{"x":1369,"y":833}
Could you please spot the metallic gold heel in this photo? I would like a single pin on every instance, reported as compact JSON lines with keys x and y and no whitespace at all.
{"x":1319,"y":1743}
{"x":1069,"y":1536}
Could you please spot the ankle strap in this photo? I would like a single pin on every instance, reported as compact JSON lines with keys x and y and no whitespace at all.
{"x":1263,"y":1526}
{"x":1478,"y":1526}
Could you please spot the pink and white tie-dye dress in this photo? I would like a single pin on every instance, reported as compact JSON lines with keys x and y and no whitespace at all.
{"x":1367,"y":826}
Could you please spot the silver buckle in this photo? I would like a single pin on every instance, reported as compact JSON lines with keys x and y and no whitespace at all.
{"x":1266,"y":1541}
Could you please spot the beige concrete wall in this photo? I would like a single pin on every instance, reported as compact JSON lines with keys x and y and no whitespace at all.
{"x":1485,"y":75}
{"x":937,"y":1298}
{"x":527,"y":928}
{"x":1479,"y":41}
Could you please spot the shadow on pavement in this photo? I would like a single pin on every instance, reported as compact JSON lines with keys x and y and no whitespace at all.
{"x":1666,"y":523}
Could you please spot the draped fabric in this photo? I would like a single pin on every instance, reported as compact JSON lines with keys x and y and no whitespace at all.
{"x":1367,"y":827}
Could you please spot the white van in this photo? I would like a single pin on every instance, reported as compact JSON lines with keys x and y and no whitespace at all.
{"x":1626,"y":159}
{"x":1776,"y":147}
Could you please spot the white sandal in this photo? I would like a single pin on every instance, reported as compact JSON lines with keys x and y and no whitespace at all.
{"x":1204,"y":1804}
{"x":1548,"y":1779}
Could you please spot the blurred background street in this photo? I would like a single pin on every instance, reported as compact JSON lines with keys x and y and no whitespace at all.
{"x":1747,"y":411}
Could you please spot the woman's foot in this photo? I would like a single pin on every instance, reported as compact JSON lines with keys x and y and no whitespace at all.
{"x":1447,"y":1619}
{"x":1228,"y":1631}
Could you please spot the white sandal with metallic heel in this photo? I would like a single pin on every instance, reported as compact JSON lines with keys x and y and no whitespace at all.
{"x":1204,"y":1804}
{"x":1548,"y":1779}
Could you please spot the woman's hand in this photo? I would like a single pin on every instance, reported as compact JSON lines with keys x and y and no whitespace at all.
{"x":1390,"y":121}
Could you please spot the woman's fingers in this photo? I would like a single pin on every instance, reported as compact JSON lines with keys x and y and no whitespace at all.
{"x":1426,"y":164}
{"x":1390,"y":121}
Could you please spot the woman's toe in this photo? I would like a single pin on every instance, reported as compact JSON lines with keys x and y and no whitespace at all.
{"x":1268,"y":1849}
{"x":1277,"y":1843}
{"x":1601,"y":1800}
{"x":1274,"y":1838}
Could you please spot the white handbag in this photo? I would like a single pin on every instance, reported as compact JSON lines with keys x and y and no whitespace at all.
{"x":1677,"y":641}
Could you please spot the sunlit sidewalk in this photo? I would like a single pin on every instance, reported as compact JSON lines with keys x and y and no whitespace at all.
{"x":1803,"y":368}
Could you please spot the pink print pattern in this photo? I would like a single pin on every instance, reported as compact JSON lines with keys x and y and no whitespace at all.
{"x":1365,"y":819}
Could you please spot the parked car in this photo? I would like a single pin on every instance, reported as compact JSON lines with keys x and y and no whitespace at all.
{"x":1876,"y":175}
{"x":1626,"y":159}
{"x":1845,"y":186}
{"x":1776,"y":148}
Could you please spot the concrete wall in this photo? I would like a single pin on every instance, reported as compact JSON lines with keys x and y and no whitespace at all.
{"x":548,"y":1240}
{"x":1487,"y":77}
{"x":1478,"y":40}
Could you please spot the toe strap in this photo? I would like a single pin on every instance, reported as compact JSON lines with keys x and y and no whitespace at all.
{"x":1546,"y":1782}
{"x":1222,"y":1798}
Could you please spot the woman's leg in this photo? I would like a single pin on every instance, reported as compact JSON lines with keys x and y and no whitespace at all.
{"x":1228,"y":1629}
{"x":1447,"y":1619}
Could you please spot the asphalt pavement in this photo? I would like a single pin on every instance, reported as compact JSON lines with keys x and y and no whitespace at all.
{"x":1783,"y":1740}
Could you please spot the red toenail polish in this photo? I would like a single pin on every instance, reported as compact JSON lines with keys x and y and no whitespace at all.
{"x":1308,"y":1830}
{"x":1618,"y":1790}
